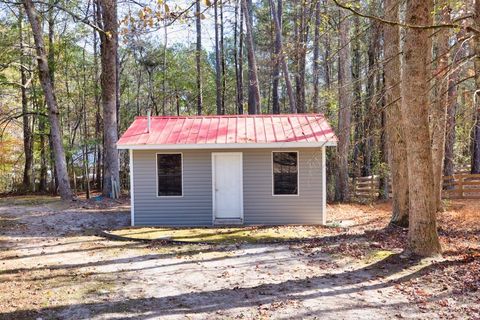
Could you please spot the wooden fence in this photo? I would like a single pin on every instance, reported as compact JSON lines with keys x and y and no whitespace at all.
{"x":459,"y":186}
{"x":368,"y":187}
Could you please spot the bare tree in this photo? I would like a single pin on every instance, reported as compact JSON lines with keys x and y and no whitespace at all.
{"x":439,"y":105}
{"x":344,"y":108}
{"x":198,"y":57}
{"x":279,"y":41}
{"x":395,"y":134}
{"x":108,"y":57}
{"x":27,"y":130}
{"x":476,"y":129}
{"x":44,"y":74}
{"x":253,"y":86}
{"x":218,"y":62}
{"x":422,"y":232}
{"x":316,"y":56}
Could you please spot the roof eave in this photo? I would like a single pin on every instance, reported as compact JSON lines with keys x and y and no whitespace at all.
{"x":282,"y":145}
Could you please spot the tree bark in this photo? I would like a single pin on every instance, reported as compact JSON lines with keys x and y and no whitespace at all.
{"x":422,"y":232}
{"x":358,"y":113}
{"x":253,"y":86}
{"x":198,"y":57}
{"x":476,"y":129}
{"x":277,"y":51}
{"x":316,"y":57}
{"x":439,"y":107}
{"x":27,"y":131}
{"x":283,"y":61}
{"x":370,"y":97}
{"x":395,"y":135}
{"x":109,"y":94}
{"x":218,"y":64}
{"x":240,"y":63}
{"x":44,"y":74}
{"x":344,"y":106}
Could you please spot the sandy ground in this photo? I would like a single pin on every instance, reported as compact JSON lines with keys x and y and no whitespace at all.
{"x":52,"y":266}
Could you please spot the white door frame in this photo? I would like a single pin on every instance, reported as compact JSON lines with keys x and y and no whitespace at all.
{"x":213,"y":182}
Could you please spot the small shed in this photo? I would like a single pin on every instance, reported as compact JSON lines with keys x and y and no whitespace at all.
{"x":231,"y":169}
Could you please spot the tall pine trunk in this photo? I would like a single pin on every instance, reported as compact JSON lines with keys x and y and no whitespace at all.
{"x":344,"y":109}
{"x":277,"y":51}
{"x":46,"y":82}
{"x":27,"y":131}
{"x":218,"y":62}
{"x":393,"y":117}
{"x":109,"y":94}
{"x":476,"y":128}
{"x":439,"y":106}
{"x":450,"y":135}
{"x":198,"y":57}
{"x":316,"y":57}
{"x":422,"y":231}
{"x":283,"y":60}
{"x":253,"y":86}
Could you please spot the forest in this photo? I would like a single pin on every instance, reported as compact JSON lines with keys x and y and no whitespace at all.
{"x":399,"y":81}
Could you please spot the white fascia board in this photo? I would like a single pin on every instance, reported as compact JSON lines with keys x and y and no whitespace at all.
{"x":228,"y":146}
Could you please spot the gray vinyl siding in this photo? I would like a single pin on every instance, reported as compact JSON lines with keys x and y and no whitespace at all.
{"x":195,"y":208}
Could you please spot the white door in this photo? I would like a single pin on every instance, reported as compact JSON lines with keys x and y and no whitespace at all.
{"x":227,"y":185}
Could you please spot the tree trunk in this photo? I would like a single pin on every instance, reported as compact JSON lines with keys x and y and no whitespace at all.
{"x":198,"y":57}
{"x":476,"y":128}
{"x":218,"y":64}
{"x":253,"y":86}
{"x":44,"y":74}
{"x":27,"y":131}
{"x":344,"y":109}
{"x":422,"y":232}
{"x":395,"y":135}
{"x":283,"y":61}
{"x":301,"y":55}
{"x":238,"y":57}
{"x":439,"y":106}
{"x":277,"y":51}
{"x":450,"y":135}
{"x":358,"y":113}
{"x":109,"y":94}
{"x":370,"y":97}
{"x":98,"y":114}
{"x":316,"y":57}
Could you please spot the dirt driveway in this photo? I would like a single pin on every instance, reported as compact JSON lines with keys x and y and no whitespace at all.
{"x":53,"y":267}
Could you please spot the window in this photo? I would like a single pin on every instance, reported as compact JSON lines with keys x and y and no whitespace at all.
{"x":169,"y":174}
{"x":285,"y":173}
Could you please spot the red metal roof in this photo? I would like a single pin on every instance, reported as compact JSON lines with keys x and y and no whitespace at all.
{"x":229,"y":130}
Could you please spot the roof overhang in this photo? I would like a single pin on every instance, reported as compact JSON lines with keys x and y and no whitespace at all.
{"x":275,"y":145}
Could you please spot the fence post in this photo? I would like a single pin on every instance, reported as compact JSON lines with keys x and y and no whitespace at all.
{"x":460,"y":185}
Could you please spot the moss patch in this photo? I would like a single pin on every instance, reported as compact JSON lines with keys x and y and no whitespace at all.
{"x":224,"y":234}
{"x":378,"y":255}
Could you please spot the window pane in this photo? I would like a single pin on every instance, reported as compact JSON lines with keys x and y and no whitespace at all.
{"x":169,"y":169}
{"x":285,"y":173}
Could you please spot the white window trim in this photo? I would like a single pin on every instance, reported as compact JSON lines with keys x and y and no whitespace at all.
{"x":156,"y":174}
{"x":298,"y":175}
{"x":214,"y":218}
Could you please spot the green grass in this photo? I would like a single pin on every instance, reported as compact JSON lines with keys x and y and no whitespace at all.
{"x":28,"y":200}
{"x":223,"y":234}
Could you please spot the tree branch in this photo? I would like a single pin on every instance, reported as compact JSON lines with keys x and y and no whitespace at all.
{"x":406,"y":25}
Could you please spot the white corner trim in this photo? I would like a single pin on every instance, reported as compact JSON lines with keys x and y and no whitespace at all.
{"x":204,"y":146}
{"x":324,"y":187}
{"x":132,"y":193}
